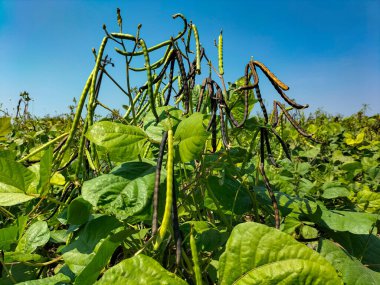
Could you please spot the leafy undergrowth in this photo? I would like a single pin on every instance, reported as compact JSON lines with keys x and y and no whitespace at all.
{"x":77,"y":194}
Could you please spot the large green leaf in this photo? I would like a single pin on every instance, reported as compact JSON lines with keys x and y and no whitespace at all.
{"x":169,"y":119}
{"x":79,"y":253}
{"x":258,"y":254}
{"x":139,"y":270}
{"x":125,"y":192}
{"x":191,"y":137}
{"x":123,"y":142}
{"x":364,"y":247}
{"x":14,"y":182}
{"x":102,"y":256}
{"x":353,"y":271}
{"x":353,"y":222}
{"x":36,"y":235}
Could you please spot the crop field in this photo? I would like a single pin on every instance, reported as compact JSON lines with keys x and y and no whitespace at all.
{"x":198,"y":181}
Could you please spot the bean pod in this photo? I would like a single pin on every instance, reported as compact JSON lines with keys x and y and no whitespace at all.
{"x":197,"y":49}
{"x":220,"y":53}
{"x":169,"y":190}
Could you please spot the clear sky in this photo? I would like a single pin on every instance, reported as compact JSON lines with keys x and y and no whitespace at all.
{"x":328,"y":52}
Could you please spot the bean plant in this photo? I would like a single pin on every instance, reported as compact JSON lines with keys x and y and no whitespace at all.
{"x":187,"y":186}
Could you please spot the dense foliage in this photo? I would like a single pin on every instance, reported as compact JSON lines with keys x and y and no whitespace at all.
{"x":179,"y":191}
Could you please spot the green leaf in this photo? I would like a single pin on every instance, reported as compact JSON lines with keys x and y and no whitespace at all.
{"x":169,"y":119}
{"x":78,"y":211}
{"x":353,"y":167}
{"x":291,"y":225}
{"x":191,"y":137}
{"x":122,"y":141}
{"x":258,"y":254}
{"x":57,"y":179}
{"x":103,"y":254}
{"x":7,"y":154}
{"x":8,"y":236}
{"x":22,"y":257}
{"x":207,"y":236}
{"x":287,"y":203}
{"x":36,"y":235}
{"x":79,"y":253}
{"x":59,"y":236}
{"x":308,"y":232}
{"x":139,"y":270}
{"x":11,"y":234}
{"x":353,"y":271}
{"x":364,"y":247}
{"x":14,"y":182}
{"x":368,"y":201}
{"x":293,"y":271}
{"x":126,"y":191}
{"x":232,"y":197}
{"x":310,"y":153}
{"x":332,"y":190}
{"x":358,"y":140}
{"x":33,"y":186}
{"x":302,"y":168}
{"x":5,"y":127}
{"x":45,"y":171}
{"x":353,"y":222}
{"x":53,"y":280}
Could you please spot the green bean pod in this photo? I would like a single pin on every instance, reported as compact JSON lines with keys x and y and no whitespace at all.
{"x":197,"y":49}
{"x":157,"y":183}
{"x":194,"y":254}
{"x":123,"y":36}
{"x":91,"y":99}
{"x":220,"y":53}
{"x":169,"y":189}
{"x":150,"y":80}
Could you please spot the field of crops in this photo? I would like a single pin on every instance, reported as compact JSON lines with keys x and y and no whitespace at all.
{"x":191,"y":185}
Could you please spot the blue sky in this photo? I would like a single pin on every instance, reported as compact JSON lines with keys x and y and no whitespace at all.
{"x":328,"y":52}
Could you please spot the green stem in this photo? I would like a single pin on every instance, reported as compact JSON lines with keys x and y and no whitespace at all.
{"x":7,"y":213}
{"x":150,"y":80}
